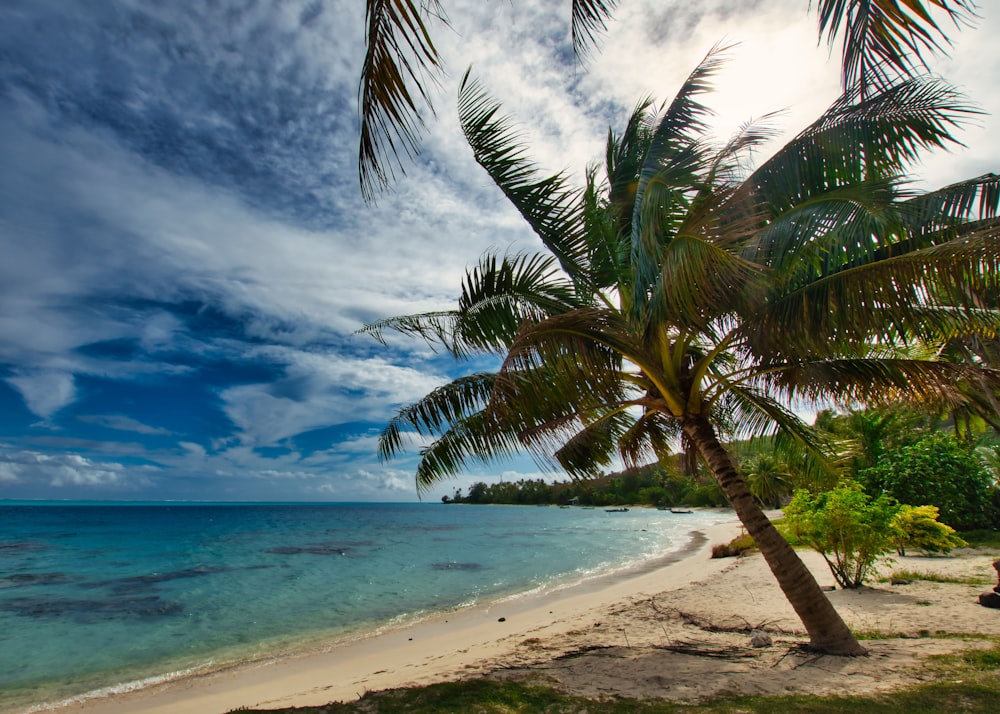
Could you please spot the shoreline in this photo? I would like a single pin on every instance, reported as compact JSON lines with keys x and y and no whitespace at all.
{"x":437,"y":647}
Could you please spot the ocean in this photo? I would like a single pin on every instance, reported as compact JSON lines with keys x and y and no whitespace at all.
{"x":107,"y":597}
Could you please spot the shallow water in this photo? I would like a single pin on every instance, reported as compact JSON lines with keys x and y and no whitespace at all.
{"x":95,"y":596}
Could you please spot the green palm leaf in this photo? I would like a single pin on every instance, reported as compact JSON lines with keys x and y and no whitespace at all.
{"x":450,"y":404}
{"x":590,"y":19}
{"x":551,"y":208}
{"x":400,"y":55}
{"x":670,"y":168}
{"x":497,"y":296}
{"x":885,"y":39}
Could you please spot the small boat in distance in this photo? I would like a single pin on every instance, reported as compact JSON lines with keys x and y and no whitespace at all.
{"x":615,"y":510}
{"x":681,"y":510}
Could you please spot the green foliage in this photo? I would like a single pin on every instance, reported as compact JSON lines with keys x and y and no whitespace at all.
{"x":918,"y":528}
{"x":866,"y":435}
{"x":936,"y":470}
{"x":850,"y":529}
{"x":768,"y":478}
{"x":651,"y":485}
{"x":987,"y":538}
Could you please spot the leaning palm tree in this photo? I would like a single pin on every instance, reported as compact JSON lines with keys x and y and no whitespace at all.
{"x":687,"y":297}
{"x":882,"y":40}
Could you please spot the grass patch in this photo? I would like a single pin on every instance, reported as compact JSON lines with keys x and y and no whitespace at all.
{"x":933,"y":578}
{"x":967,"y":682}
{"x":740,"y":545}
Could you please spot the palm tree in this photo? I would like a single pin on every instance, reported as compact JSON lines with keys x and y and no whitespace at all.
{"x":768,"y":479}
{"x":882,"y":40}
{"x":688,"y":297}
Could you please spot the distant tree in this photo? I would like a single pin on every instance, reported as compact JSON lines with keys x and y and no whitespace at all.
{"x":769,"y":479}
{"x":866,"y":434}
{"x":939,"y":471}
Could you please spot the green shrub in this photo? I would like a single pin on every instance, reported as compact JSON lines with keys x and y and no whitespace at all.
{"x":850,"y":529}
{"x":917,"y":527}
{"x":940,"y":471}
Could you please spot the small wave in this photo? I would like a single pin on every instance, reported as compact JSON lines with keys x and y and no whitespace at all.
{"x":122,"y":688}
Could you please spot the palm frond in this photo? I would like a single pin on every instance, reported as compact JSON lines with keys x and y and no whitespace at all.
{"x":432,"y":327}
{"x":701,"y":280}
{"x":888,"y":300}
{"x":885,"y":39}
{"x":498,"y":295}
{"x":593,"y":447}
{"x":652,"y":436}
{"x":937,"y":385}
{"x":400,"y":58}
{"x":551,"y":208}
{"x":501,"y":293}
{"x":855,"y":142}
{"x":935,"y":212}
{"x":670,"y":167}
{"x":474,"y":440}
{"x":442,"y":408}
{"x":590,"y":19}
{"x":822,"y":234}
{"x":623,"y":162}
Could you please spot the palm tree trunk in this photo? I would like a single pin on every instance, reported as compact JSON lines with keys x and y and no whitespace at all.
{"x":827,"y":631}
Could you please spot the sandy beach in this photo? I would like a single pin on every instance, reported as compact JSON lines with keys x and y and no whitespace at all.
{"x":681,"y":630}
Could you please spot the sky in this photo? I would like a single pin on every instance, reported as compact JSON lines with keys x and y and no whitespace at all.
{"x":186,"y":257}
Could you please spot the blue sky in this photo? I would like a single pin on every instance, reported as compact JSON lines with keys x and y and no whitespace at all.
{"x":187,"y":257}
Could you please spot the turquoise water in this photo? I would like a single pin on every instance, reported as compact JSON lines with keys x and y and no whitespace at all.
{"x":95,"y":596}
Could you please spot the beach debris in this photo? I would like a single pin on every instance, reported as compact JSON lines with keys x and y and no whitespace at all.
{"x":704,"y":649}
{"x":991,"y":598}
{"x":501,"y":619}
{"x":760,"y":639}
{"x":733,"y":624}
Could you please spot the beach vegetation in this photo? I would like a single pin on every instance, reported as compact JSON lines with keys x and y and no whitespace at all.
{"x":936,"y":469}
{"x":769,"y":478}
{"x":851,"y":530}
{"x":740,"y":545}
{"x":933,"y":578}
{"x":983,"y":538}
{"x":688,"y":297}
{"x":864,"y":436}
{"x":918,"y":528}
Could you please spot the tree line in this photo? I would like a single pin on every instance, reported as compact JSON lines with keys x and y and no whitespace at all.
{"x":651,"y":485}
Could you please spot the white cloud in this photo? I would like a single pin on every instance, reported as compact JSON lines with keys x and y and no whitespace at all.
{"x":44,"y":393}
{"x":68,"y":470}
{"x":123,"y":423}
{"x":320,"y":390}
